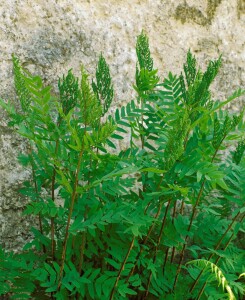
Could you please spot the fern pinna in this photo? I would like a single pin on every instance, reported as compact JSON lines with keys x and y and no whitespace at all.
{"x":161,"y":219}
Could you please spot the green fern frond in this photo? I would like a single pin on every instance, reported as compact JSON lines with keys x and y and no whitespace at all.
{"x":103,"y":87}
{"x":214,"y":269}
{"x":104,"y":133}
{"x":31,"y":91}
{"x":145,"y":81}
{"x":172,"y":89}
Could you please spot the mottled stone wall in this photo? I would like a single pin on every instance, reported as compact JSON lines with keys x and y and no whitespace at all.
{"x":52,"y":36}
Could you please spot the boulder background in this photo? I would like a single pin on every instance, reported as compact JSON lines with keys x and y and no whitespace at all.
{"x":52,"y":36}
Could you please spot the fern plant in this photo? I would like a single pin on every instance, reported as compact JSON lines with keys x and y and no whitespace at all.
{"x":162,"y":219}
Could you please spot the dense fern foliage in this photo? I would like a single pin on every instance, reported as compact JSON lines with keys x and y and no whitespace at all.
{"x":162,"y":219}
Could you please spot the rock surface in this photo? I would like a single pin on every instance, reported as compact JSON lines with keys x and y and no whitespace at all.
{"x":53,"y":36}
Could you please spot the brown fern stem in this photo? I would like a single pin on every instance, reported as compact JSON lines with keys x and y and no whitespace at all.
{"x":192,"y":219}
{"x":165,"y":259}
{"x":144,"y":242}
{"x":73,"y":197}
{"x":156,"y":248}
{"x":216,"y":262}
{"x":186,"y":238}
{"x":212,"y":254}
{"x":122,"y":268}
{"x":53,"y":198}
{"x":36,"y":190}
{"x":173,"y":217}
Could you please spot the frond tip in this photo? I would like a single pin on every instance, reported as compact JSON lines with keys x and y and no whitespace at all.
{"x":220,"y":277}
{"x":143,"y":52}
{"x":103,"y":87}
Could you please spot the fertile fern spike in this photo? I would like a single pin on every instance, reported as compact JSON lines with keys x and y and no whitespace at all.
{"x":69,"y":92}
{"x":212,"y":71}
{"x":221,"y":131}
{"x":143,"y":52}
{"x":217,"y":133}
{"x":238,"y":154}
{"x":183,"y":88}
{"x":21,"y":90}
{"x":202,"y":93}
{"x":227,"y":126}
{"x":176,"y":136}
{"x":190,"y":68}
{"x":103,"y":87}
{"x":238,"y":119}
{"x":91,"y":109}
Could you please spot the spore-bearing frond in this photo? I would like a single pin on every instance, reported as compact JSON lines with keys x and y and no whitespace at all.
{"x":143,"y":52}
{"x":103,"y":87}
{"x":69,"y":92}
{"x":91,"y":109}
{"x":20,"y":86}
{"x":190,"y":68}
{"x":239,"y":152}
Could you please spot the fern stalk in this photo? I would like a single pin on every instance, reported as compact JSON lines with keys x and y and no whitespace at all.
{"x":193,"y":217}
{"x":168,"y":248}
{"x":73,"y":198}
{"x":144,"y":242}
{"x":216,"y":248}
{"x":122,"y":268}
{"x":216,"y":262}
{"x":36,"y":190}
{"x":173,"y":217}
{"x":148,"y":233}
{"x":157,"y":245}
{"x":53,"y":199}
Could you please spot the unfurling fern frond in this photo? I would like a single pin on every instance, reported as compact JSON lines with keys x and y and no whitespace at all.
{"x":69,"y":92}
{"x":91,"y":109}
{"x":103,"y":87}
{"x":216,"y":271}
